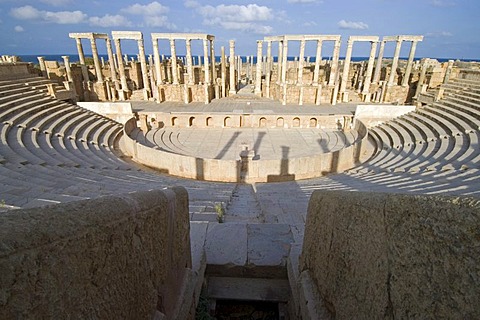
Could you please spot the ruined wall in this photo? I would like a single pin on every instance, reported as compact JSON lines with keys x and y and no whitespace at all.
{"x":247,"y":170}
{"x":391,"y":256}
{"x":117,"y":257}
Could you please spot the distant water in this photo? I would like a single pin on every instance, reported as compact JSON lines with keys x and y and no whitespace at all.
{"x":74,"y":58}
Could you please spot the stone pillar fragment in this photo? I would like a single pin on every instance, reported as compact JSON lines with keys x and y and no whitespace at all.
{"x":284,"y":62}
{"x":279,"y":62}
{"x":96,"y":62}
{"x":158,"y":64}
{"x":191,"y":79}
{"x":223,"y":69}
{"x":121,"y":67}
{"x":300,"y":62}
{"x":318,"y":58}
{"x":66,"y":61}
{"x":268,"y":68}
{"x":378,"y":68}
{"x":396,"y":55}
{"x":207,"y":72}
{"x":143,"y":66}
{"x":81,"y":55}
{"x":233,"y":86}
{"x":346,"y":67}
{"x":334,"y":63}
{"x":41,"y":62}
{"x":111,"y":60}
{"x":212,"y":60}
{"x":408,"y":70}
{"x":368,"y":76}
{"x":173,"y":61}
{"x":258,"y":72}
{"x":448,"y":71}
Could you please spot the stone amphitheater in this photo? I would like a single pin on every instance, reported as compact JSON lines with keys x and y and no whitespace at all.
{"x":391,"y":233}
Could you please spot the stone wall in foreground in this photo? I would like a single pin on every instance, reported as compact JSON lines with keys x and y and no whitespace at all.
{"x":117,"y":257}
{"x":391,"y":256}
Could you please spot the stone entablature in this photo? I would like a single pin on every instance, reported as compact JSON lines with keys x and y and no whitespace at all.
{"x":298,"y":81}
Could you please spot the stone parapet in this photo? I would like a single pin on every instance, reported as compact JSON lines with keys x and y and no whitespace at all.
{"x":385,"y":256}
{"x":117,"y":257}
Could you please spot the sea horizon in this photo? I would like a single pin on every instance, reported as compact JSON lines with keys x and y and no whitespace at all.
{"x":75,"y":58}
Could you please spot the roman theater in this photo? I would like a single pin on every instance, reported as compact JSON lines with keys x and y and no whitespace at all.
{"x":162,"y":186}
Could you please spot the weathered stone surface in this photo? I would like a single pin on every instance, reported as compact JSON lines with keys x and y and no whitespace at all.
{"x":118,"y":257}
{"x":226,"y":244}
{"x":394,"y":256}
{"x":268,"y":244}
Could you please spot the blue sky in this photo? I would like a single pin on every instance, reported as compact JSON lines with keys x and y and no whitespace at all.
{"x":451,"y":27}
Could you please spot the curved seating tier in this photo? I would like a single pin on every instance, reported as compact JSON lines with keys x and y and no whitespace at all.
{"x":441,"y":136}
{"x":52,"y":151}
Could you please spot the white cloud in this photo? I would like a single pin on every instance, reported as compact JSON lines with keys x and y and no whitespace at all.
{"x":343,"y":24}
{"x":442,"y":3}
{"x":159,"y":21}
{"x":439,"y":34}
{"x":153,"y":14}
{"x":64,"y":17}
{"x":110,"y":21}
{"x":60,"y":17}
{"x":19,"y":29}
{"x":251,"y":12}
{"x":238,"y":17}
{"x":25,"y":13}
{"x":151,"y":9}
{"x":57,"y":3}
{"x":191,"y":4}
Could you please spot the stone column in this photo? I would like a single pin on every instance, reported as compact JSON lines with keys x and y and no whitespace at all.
{"x":98,"y":67}
{"x":173,"y":61}
{"x":233,"y":86}
{"x":300,"y":62}
{"x":66,"y":61}
{"x":258,"y":72}
{"x":284,"y":62}
{"x":206,"y":62}
{"x":191,"y":79}
{"x":448,"y":71}
{"x":143,"y":66}
{"x":223,"y":69}
{"x":158,"y":64}
{"x":212,"y":61}
{"x":393,"y":71}
{"x":346,"y":67}
{"x":111,"y":60}
{"x":81,"y":55}
{"x":121,"y":67}
{"x":41,"y":62}
{"x":378,"y":68}
{"x":408,"y":70}
{"x":368,"y":76}
{"x":421,"y":79}
{"x":334,"y":65}
{"x":207,"y":72}
{"x":318,"y":58}
{"x":279,"y":62}
{"x":269,"y":68}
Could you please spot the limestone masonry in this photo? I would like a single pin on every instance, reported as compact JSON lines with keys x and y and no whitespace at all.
{"x":274,"y":185}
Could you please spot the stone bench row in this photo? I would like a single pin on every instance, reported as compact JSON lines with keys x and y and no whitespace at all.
{"x":431,"y":139}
